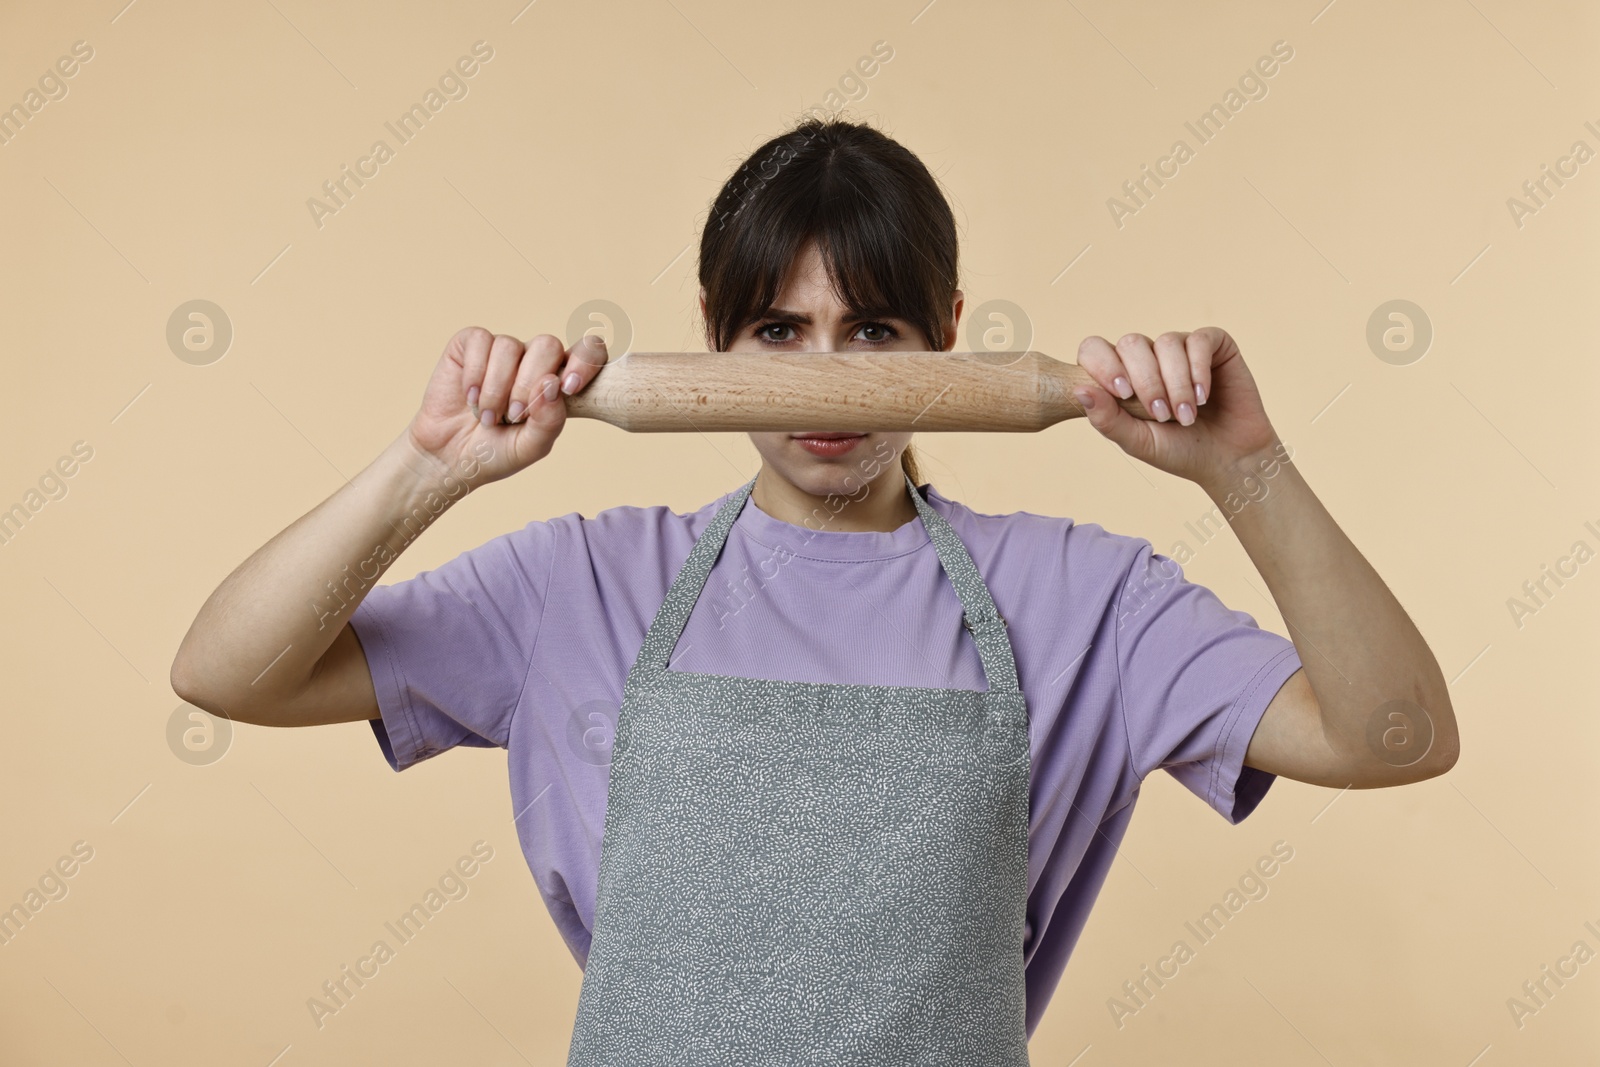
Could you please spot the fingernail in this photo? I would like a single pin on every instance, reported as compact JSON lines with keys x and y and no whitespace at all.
{"x":472,"y":397}
{"x":486,"y":417}
{"x":1185,"y":413}
{"x":514,"y":411}
{"x":569,"y":384}
{"x":599,"y":342}
{"x":1085,"y":398}
{"x":1158,"y":408}
{"x":1199,"y":393}
{"x":1120,"y":384}
{"x":551,"y":389}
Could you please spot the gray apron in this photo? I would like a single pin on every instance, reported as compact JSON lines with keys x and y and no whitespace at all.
{"x":803,"y":872}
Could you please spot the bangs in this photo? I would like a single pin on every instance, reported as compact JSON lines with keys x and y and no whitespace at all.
{"x":882,"y":228}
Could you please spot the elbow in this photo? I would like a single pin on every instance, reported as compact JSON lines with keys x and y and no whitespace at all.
{"x":1440,"y":758}
{"x":191,"y":688}
{"x":187,"y":675}
{"x":1446,"y":748}
{"x":181,"y":678}
{"x":1444,"y":745}
{"x":1448,"y":751}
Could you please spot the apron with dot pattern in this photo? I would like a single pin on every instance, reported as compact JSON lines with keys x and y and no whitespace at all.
{"x":811,"y":873}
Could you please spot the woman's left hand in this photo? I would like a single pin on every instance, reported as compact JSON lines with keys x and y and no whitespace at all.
{"x":1209,"y":413}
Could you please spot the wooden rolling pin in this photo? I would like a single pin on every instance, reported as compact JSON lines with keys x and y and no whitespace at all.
{"x":665,"y":392}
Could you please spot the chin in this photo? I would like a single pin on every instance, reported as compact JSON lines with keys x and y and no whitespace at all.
{"x":822,"y":478}
{"x":844,"y":475}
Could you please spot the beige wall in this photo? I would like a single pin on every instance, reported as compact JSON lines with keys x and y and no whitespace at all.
{"x":1377,"y":167}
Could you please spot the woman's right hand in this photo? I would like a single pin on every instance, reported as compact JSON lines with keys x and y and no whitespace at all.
{"x":483,"y":378}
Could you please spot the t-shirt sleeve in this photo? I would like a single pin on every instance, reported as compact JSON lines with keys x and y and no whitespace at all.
{"x":1195,"y":678}
{"x":450,"y":649}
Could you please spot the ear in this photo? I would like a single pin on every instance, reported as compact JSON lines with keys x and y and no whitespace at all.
{"x":956,"y":306}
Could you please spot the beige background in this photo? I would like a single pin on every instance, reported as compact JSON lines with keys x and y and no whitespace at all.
{"x":580,"y":166}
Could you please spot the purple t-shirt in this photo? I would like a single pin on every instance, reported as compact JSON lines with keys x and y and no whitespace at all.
{"x":524,"y":643}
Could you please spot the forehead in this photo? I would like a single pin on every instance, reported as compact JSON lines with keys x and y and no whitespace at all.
{"x":807,"y":282}
{"x":807,"y":288}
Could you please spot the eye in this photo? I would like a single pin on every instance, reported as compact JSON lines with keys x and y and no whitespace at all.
{"x":764,"y":332}
{"x":877,"y":332}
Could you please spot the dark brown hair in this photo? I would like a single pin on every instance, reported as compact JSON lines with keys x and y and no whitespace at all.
{"x":882,"y":226}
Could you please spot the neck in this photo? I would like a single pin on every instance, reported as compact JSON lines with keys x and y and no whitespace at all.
{"x":884,"y":507}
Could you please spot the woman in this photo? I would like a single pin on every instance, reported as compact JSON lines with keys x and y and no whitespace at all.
{"x":873,"y":750}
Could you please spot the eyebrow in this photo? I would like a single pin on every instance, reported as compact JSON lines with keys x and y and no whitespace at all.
{"x":800,"y":318}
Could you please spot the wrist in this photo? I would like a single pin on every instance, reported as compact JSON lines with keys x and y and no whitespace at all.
{"x":422,"y":479}
{"x":1244,"y":475}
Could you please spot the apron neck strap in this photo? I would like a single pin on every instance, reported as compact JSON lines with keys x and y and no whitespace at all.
{"x":978,"y":610}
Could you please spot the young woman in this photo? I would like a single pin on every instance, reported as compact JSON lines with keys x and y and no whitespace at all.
{"x":874,"y":750}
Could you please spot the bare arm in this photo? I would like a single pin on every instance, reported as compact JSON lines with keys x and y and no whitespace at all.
{"x":272,"y":645}
{"x":260,"y":640}
{"x":1370,"y":706}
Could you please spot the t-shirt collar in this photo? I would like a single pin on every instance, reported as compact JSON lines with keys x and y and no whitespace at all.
{"x":819,"y":540}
